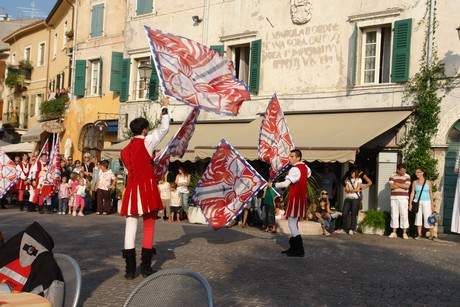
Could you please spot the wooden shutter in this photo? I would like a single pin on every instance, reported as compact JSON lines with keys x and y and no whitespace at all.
{"x":254,"y":66}
{"x":144,"y":7}
{"x":80,"y":78}
{"x":100,"y":76}
{"x":154,"y":82}
{"x":401,"y":50}
{"x":218,"y":48}
{"x":355,"y":54}
{"x":124,"y":87}
{"x":97,"y":20}
{"x":115,"y":71}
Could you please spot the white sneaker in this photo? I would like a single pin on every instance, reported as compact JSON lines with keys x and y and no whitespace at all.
{"x":350,"y":232}
{"x":343,"y":232}
{"x":405,"y":237}
{"x":393,"y":235}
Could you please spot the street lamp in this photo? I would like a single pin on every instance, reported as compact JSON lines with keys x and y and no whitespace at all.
{"x":458,"y":31}
{"x":145,"y":71}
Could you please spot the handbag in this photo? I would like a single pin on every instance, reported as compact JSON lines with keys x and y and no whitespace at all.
{"x":357,"y":193}
{"x":416,"y":204}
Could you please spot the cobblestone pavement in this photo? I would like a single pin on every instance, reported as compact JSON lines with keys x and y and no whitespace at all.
{"x":245,"y":267}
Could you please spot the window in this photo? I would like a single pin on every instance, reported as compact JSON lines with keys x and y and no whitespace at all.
{"x":27,"y":53}
{"x":55,"y":46}
{"x":97,"y":20}
{"x":247,"y":63}
{"x":35,"y":103}
{"x":144,"y":7}
{"x":378,"y":62}
{"x":376,"y":53}
{"x":90,"y":138}
{"x":41,"y":54}
{"x":141,"y":84}
{"x":64,"y":34}
{"x":95,"y":77}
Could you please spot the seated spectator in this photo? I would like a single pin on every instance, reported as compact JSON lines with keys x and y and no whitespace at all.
{"x":324,"y":215}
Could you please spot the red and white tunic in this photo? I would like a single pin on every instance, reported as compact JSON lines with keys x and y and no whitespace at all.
{"x":141,"y":194}
{"x":296,"y":204}
{"x":24,"y":168}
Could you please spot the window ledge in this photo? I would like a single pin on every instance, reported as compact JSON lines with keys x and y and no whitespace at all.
{"x":378,"y":86}
{"x":374,"y":15}
{"x":235,"y":36}
{"x":143,"y":16}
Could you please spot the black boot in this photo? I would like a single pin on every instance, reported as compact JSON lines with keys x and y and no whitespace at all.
{"x":146,"y":264}
{"x":290,"y":246}
{"x":40,"y":209}
{"x":21,"y":205}
{"x":130,"y":259}
{"x":31,"y":207}
{"x":297,"y":247}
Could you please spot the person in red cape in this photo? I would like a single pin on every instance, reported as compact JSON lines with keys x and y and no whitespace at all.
{"x":141,"y":196}
{"x":296,"y":204}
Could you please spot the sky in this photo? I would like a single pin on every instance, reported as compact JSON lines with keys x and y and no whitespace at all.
{"x":26,"y":8}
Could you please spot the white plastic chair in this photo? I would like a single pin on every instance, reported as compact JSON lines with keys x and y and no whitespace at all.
{"x":72,"y":278}
{"x":172,"y":287}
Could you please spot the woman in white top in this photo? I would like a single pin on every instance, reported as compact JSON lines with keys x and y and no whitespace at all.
{"x":182,"y":181}
{"x":351,"y":202}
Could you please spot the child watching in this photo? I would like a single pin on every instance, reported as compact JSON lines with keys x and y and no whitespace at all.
{"x":73,"y":184}
{"x":175,"y":203}
{"x":165,"y":194}
{"x":279,"y":211}
{"x":63,"y":195}
{"x":80,"y":197}
{"x":268,"y":200}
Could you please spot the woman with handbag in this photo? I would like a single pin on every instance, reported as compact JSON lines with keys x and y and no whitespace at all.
{"x":351,"y":202}
{"x":421,"y":202}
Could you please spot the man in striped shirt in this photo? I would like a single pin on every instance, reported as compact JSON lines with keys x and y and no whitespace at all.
{"x":399,"y":185}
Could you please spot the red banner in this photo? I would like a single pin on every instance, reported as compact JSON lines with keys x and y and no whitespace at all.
{"x":195,"y":74}
{"x":227,"y":185}
{"x":275,"y":142}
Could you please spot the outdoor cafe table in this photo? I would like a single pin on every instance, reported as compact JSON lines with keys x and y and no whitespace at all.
{"x":23,"y":299}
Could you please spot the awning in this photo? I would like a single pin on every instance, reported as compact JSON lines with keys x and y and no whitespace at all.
{"x":325,"y":137}
{"x":20,"y":147}
{"x":34,"y":134}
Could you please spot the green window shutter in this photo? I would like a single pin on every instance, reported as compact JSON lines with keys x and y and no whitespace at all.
{"x":218,"y":48}
{"x":115,"y":71}
{"x":124,"y":87}
{"x":32,"y":105}
{"x":144,"y":7}
{"x":100,"y":76}
{"x":355,"y":55}
{"x":80,"y":78}
{"x":254,"y":66}
{"x":97,"y":20}
{"x":401,"y":50}
{"x":154,"y":82}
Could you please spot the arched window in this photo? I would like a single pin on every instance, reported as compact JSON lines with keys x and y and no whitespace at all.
{"x":454,"y":133}
{"x":90,"y":139}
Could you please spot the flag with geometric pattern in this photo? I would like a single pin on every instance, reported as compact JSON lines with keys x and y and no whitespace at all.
{"x":8,"y":172}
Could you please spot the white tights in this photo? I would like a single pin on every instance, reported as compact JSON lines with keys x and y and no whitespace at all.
{"x":292,"y":223}
{"x":130,"y":231}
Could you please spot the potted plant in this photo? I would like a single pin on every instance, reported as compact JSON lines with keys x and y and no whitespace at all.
{"x":54,"y":107}
{"x":374,"y":222}
{"x":69,"y":34}
{"x":25,"y":68}
{"x":15,"y":80}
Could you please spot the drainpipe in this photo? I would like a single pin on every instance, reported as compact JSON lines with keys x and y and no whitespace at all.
{"x":206,"y":22}
{"x":74,"y":29}
{"x":429,"y":53}
{"x":74,"y":49}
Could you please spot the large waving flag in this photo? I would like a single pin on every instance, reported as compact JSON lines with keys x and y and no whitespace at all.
{"x":161,"y":163}
{"x":53,"y":174}
{"x":195,"y":74}
{"x":8,"y":172}
{"x":227,"y":185}
{"x":275,"y":142}
{"x":179,"y":143}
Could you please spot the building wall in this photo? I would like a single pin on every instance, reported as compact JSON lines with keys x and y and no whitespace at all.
{"x":88,"y":108}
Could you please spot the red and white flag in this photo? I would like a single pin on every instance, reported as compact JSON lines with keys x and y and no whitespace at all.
{"x":161,"y":163}
{"x":9,"y":173}
{"x":179,"y":143}
{"x":53,"y":174}
{"x":195,"y":74}
{"x":275,"y":142}
{"x":227,"y":185}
